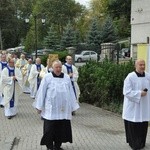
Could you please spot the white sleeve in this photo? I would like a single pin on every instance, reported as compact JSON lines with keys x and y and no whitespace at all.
{"x":74,"y":101}
{"x":75,"y":74}
{"x":5,"y":78}
{"x":128,"y":91}
{"x":41,"y":94}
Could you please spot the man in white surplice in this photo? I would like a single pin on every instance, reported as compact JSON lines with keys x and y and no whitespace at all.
{"x":34,"y":77}
{"x":11,"y":81}
{"x":56,"y":101}
{"x":72,"y":71}
{"x":3,"y":64}
{"x":136,"y":107}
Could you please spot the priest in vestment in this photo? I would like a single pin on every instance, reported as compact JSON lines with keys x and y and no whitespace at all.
{"x":34,"y":77}
{"x":21,"y":62}
{"x":25,"y":72}
{"x":11,"y":81}
{"x":56,"y":101}
{"x":3,"y":64}
{"x":136,"y":107}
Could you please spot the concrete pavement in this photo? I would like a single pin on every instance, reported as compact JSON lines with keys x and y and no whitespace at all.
{"x":92,"y":127}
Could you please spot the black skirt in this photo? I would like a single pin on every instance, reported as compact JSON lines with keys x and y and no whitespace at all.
{"x":136,"y":133}
{"x":56,"y":131}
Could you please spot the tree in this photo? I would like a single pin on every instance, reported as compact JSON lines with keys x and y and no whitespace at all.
{"x":7,"y":23}
{"x":12,"y":21}
{"x":68,"y":37}
{"x":108,"y":31}
{"x":117,"y":9}
{"x":77,"y":38}
{"x":51,"y":40}
{"x":30,"y":41}
{"x":94,"y":36}
{"x":58,"y":12}
{"x":120,"y":11}
{"x":98,"y":8}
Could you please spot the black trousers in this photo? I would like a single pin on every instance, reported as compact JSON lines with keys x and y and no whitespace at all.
{"x":136,"y":133}
{"x":56,"y":132}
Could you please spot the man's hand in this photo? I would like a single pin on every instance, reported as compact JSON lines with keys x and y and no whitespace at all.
{"x":143,"y":93}
{"x":39,"y":111}
{"x":14,"y":78}
{"x":70,"y":75}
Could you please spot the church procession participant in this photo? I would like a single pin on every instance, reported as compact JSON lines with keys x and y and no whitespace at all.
{"x":47,"y":69}
{"x":20,"y":64}
{"x":34,"y":77}
{"x":25,"y":72}
{"x":11,"y":81}
{"x":15,"y":57}
{"x":136,"y":107}
{"x":72,"y":71}
{"x":3,"y":64}
{"x":56,"y":101}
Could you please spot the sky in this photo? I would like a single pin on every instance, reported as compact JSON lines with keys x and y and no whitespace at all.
{"x":83,"y":2}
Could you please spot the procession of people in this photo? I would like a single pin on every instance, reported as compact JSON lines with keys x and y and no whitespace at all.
{"x":56,"y":93}
{"x":53,"y":90}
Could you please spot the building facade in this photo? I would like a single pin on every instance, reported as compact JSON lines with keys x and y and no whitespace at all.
{"x":140,"y":24}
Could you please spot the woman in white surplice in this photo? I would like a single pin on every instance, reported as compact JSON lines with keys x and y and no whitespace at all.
{"x":55,"y":101}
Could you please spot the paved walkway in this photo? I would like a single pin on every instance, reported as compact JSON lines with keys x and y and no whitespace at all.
{"x":93,"y":129}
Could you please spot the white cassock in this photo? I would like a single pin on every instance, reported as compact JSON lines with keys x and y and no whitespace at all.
{"x":44,"y":71}
{"x":136,"y":108}
{"x":2,"y":66}
{"x":33,"y":79}
{"x":25,"y":72}
{"x":56,"y":98}
{"x":11,"y":89}
{"x":74,"y":79}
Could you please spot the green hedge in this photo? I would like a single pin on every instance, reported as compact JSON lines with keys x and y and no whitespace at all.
{"x":101,"y":83}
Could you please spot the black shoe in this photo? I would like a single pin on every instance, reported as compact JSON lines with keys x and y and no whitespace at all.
{"x":1,"y":106}
{"x":58,"y":148}
{"x":9,"y":117}
{"x":73,"y":113}
{"x":49,"y":147}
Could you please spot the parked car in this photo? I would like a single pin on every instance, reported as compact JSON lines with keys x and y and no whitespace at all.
{"x":39,"y":52}
{"x":85,"y":56}
{"x":125,"y":52}
{"x":47,"y":51}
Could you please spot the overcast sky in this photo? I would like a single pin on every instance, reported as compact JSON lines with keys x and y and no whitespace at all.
{"x":83,"y":2}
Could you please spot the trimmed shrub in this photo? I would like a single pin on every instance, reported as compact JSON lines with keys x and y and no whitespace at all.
{"x":101,"y":83}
